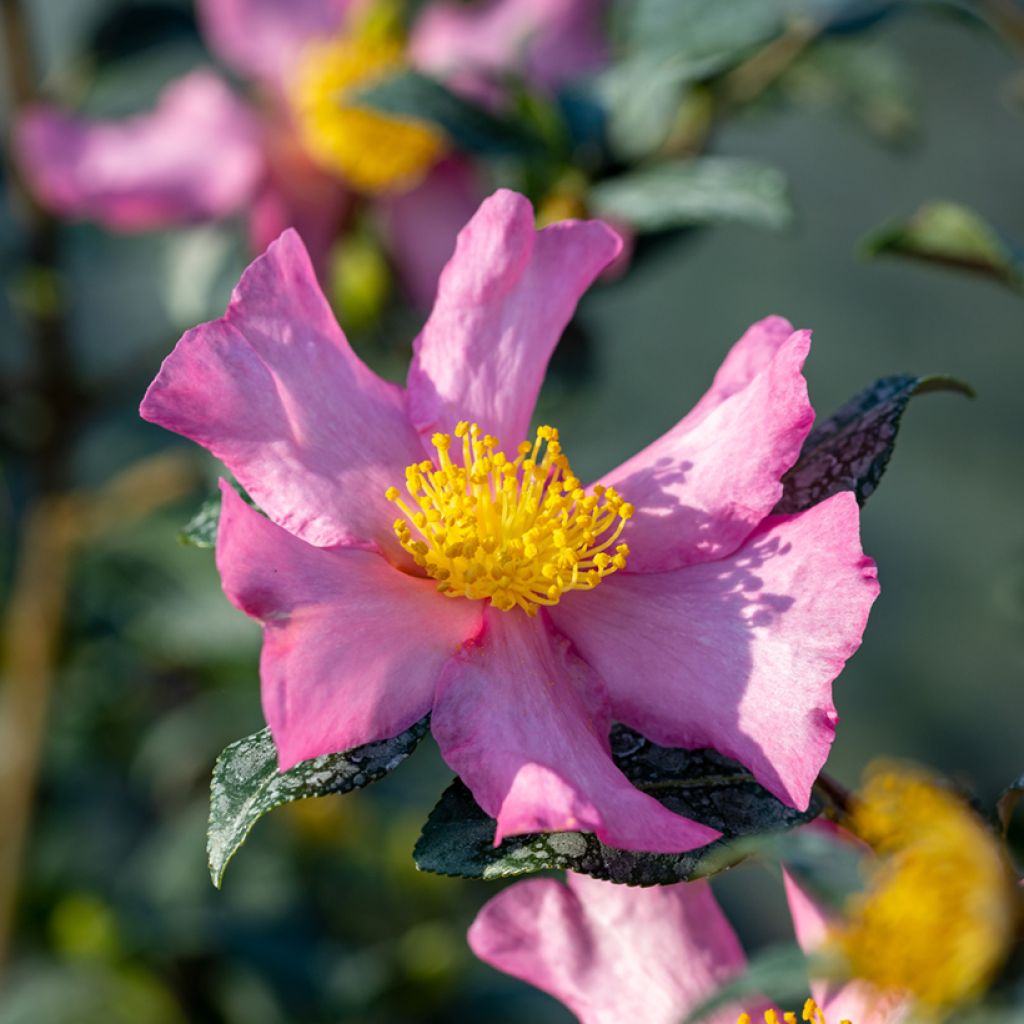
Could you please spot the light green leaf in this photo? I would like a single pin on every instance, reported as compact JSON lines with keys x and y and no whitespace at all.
{"x":246,"y":784}
{"x":948,"y":234}
{"x":707,"y":190}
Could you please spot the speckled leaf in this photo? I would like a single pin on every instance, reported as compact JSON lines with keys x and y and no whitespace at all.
{"x":701,"y":784}
{"x":850,"y":450}
{"x":471,"y":128}
{"x":201,"y":530}
{"x":246,"y":784}
{"x":1011,"y":796}
{"x":951,"y":235}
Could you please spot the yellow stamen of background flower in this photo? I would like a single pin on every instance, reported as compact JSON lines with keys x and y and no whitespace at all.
{"x":519,"y":532}
{"x":936,"y":917}
{"x":373,"y":152}
{"x":811,"y":1014}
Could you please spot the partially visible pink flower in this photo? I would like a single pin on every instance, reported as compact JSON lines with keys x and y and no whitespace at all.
{"x":549,"y":42}
{"x":516,"y":620}
{"x":196,"y":157}
{"x":614,"y":954}
{"x":204,"y":154}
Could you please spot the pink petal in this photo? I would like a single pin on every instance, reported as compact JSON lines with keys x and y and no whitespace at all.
{"x":739,"y":654}
{"x":352,"y":648}
{"x":262,"y":39}
{"x":612,"y":954}
{"x":421,"y":225}
{"x":702,"y":487}
{"x":525,"y":723}
{"x":855,"y":1001}
{"x":502,"y":304}
{"x":274,"y":390}
{"x":549,"y":42}
{"x":195,"y":157}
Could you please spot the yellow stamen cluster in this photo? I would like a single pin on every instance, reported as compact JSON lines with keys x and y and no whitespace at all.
{"x":936,"y":917}
{"x":371,"y":151}
{"x":811,"y":1013}
{"x":519,"y":532}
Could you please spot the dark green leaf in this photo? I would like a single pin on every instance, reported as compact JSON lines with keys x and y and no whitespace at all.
{"x":951,"y":235}
{"x":707,"y":190}
{"x":471,"y":128}
{"x":246,"y":784}
{"x":700,"y":784}
{"x":1007,"y":804}
{"x":850,"y":450}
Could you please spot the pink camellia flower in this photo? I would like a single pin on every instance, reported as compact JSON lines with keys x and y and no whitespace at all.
{"x":420,"y":554}
{"x":614,"y":954}
{"x":296,"y":154}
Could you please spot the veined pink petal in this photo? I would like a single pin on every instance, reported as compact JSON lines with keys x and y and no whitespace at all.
{"x":750,"y":356}
{"x":738,"y":654}
{"x":525,"y":724}
{"x":274,"y":390}
{"x":195,"y":157}
{"x":549,"y":42}
{"x":261,"y":39}
{"x":352,"y":647}
{"x":421,"y":225}
{"x":612,"y":954}
{"x":502,"y":304}
{"x":702,"y":487}
{"x":854,"y":1001}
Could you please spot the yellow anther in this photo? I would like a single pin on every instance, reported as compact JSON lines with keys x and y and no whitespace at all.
{"x":811,"y":1013}
{"x":374,"y":152}
{"x":517,"y":533}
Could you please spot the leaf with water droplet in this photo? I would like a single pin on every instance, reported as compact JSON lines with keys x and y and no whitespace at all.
{"x":246,"y":784}
{"x":851,"y":449}
{"x":458,"y":838}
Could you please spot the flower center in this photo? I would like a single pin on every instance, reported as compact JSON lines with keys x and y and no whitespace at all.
{"x":811,"y":1013}
{"x":936,"y":917}
{"x":374,"y":152}
{"x":519,"y":532}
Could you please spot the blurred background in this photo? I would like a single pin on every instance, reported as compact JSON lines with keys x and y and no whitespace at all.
{"x":126,"y":671}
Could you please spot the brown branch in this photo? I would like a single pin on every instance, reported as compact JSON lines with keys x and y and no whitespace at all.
{"x":751,"y":78}
{"x":54,"y":529}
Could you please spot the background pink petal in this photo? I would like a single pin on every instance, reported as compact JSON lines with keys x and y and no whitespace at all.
{"x":611,"y":953}
{"x":261,"y":39}
{"x":297,"y":194}
{"x":856,"y":1000}
{"x":525,"y":724}
{"x":421,"y":225}
{"x":274,"y":390}
{"x":548,"y":42}
{"x":739,"y":654}
{"x":352,"y":648}
{"x":195,"y":157}
{"x":704,"y":485}
{"x":502,"y":304}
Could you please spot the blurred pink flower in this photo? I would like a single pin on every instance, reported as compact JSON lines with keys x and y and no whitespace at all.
{"x":204,"y":154}
{"x":725,"y":629}
{"x":616,"y":954}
